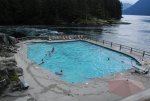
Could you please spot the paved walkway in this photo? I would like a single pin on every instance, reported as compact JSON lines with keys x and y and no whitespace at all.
{"x":139,"y":96}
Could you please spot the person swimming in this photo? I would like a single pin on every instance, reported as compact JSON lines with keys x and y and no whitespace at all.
{"x":122,"y":61}
{"x":59,"y":73}
{"x":42,"y":61}
{"x":52,"y":50}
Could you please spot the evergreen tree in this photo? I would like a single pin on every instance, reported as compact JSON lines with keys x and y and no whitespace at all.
{"x":52,"y":11}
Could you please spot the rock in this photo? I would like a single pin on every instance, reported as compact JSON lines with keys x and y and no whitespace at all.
{"x":7,"y":61}
{"x":7,"y":40}
{"x":13,"y":40}
{"x":10,"y":64}
{"x":7,"y":45}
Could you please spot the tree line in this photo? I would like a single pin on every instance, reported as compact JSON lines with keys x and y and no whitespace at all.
{"x":55,"y":11}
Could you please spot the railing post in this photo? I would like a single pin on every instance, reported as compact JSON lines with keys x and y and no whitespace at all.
{"x":120,"y":47}
{"x":103,"y":41}
{"x":143,"y":53}
{"x":111,"y":44}
{"x":131,"y":50}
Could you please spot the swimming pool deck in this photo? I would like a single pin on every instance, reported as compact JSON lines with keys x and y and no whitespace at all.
{"x":45,"y":86}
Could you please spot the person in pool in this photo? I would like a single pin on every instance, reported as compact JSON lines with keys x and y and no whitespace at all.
{"x":59,"y":73}
{"x":42,"y":61}
{"x":52,"y":50}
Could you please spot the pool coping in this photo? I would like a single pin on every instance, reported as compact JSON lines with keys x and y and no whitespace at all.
{"x":60,"y":90}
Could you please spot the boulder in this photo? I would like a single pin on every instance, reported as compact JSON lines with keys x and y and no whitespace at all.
{"x":8,"y":63}
{"x":7,"y":45}
{"x":7,"y":40}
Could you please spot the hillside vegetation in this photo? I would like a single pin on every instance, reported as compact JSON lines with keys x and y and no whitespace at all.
{"x":57,"y":11}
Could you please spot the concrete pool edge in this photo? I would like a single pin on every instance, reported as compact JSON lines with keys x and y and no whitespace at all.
{"x":56,"y":89}
{"x":137,"y":58}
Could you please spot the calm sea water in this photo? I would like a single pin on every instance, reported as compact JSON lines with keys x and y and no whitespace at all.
{"x":136,"y":34}
{"x":79,"y":60}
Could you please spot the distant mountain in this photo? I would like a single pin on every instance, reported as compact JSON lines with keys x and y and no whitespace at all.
{"x":141,"y":7}
{"x":126,"y":5}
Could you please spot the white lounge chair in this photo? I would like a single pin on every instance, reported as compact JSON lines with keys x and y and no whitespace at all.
{"x":139,"y":69}
{"x":79,"y":36}
{"x":49,"y":38}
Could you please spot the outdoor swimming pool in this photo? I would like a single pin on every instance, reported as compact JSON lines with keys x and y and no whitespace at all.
{"x":79,"y":60}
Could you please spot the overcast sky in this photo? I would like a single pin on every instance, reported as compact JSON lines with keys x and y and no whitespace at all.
{"x":129,"y":1}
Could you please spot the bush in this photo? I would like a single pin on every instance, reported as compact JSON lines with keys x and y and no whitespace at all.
{"x":13,"y":76}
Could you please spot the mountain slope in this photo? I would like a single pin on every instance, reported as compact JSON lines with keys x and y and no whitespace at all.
{"x":139,"y":8}
{"x":126,"y":5}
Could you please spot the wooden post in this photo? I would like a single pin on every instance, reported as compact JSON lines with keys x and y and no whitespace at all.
{"x":103,"y":41}
{"x":111,"y":44}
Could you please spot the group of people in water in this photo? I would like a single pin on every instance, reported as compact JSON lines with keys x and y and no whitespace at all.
{"x":49,"y":54}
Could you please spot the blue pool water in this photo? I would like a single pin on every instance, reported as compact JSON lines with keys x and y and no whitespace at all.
{"x":79,"y":60}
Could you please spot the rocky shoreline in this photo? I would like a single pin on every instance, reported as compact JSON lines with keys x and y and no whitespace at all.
{"x":9,"y":72}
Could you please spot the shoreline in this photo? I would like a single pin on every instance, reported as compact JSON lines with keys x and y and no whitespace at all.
{"x":45,"y":86}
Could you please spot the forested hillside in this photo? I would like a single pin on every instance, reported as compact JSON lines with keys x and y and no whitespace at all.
{"x":57,"y":11}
